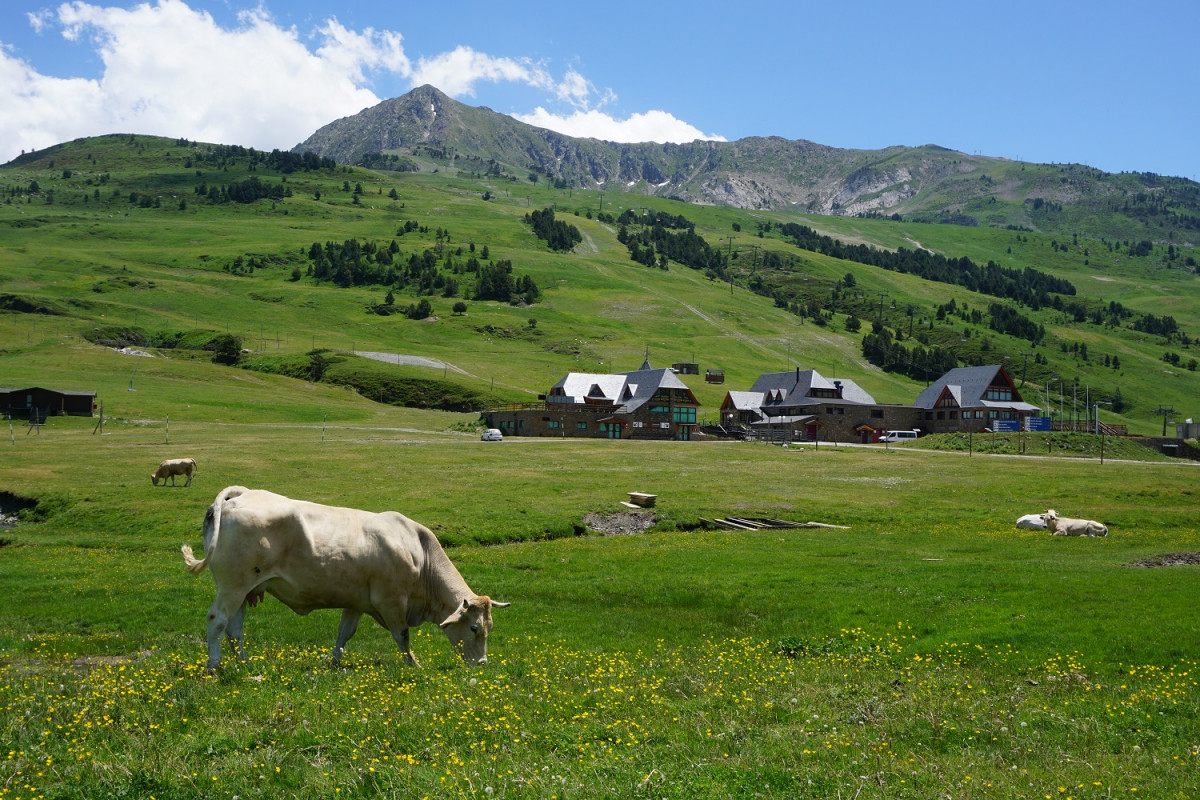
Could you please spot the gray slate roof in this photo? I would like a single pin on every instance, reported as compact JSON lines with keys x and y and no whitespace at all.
{"x":968,"y":385}
{"x":627,"y":390}
{"x":793,"y":388}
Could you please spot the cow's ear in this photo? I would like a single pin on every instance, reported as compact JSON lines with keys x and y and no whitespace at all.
{"x":458,"y":614}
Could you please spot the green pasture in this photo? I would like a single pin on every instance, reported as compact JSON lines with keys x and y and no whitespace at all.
{"x":929,"y":648}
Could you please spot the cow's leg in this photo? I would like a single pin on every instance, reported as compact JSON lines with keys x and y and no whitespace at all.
{"x":233,"y":630}
{"x":223,"y":609}
{"x":401,"y":637}
{"x":395,"y":619}
{"x":188,"y":482}
{"x":346,"y":628}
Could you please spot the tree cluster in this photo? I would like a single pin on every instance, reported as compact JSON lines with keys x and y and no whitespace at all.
{"x":1027,"y":286}
{"x":1164,"y":326}
{"x":246,"y":191}
{"x":284,"y":161}
{"x":433,"y":271}
{"x":387,"y":161}
{"x":668,"y":237}
{"x":882,"y":350}
{"x":559,"y":235}
{"x":1005,"y":319}
{"x":496,"y":282}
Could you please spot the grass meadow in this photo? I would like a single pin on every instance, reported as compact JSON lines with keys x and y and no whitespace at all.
{"x":930,"y":649}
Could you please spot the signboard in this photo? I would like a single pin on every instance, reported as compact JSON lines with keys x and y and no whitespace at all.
{"x":1006,"y":425}
{"x":1037,"y":423}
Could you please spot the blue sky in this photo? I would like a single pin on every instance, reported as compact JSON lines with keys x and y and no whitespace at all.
{"x":1112,"y":85}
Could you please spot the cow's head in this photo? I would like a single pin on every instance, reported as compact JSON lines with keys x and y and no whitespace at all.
{"x":154,"y":478}
{"x":468,"y":627}
{"x":1049,"y":516}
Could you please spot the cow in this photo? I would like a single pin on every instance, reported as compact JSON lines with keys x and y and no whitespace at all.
{"x":1065,"y":526}
{"x":313,"y":556}
{"x":1032,"y":522}
{"x":172,"y":467}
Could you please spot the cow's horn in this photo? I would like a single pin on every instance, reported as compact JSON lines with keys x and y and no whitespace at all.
{"x":458,"y":613}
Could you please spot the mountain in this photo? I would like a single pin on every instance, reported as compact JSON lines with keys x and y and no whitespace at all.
{"x":425,"y":129}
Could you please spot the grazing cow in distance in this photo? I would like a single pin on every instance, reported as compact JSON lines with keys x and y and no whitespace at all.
{"x":1032,"y":522}
{"x":1065,"y":526}
{"x":172,"y":467}
{"x":313,"y":556}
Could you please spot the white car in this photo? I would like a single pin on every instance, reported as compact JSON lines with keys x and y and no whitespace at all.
{"x":900,"y":436}
{"x":492,"y":435}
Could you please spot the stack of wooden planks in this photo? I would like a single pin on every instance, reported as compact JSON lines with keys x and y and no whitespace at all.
{"x":753,"y":524}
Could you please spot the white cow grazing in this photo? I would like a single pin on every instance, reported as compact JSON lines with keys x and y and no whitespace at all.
{"x":1065,"y":526}
{"x":312,"y":556}
{"x":172,"y":467}
{"x":1032,"y":522}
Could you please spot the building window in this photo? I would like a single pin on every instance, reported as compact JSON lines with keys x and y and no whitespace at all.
{"x":997,"y":393}
{"x":876,"y":413}
{"x":554,"y":424}
{"x":660,"y":409}
{"x":685,"y":415}
{"x":581,"y":426}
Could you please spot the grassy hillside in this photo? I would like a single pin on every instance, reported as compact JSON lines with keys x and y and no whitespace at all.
{"x":110,"y":233}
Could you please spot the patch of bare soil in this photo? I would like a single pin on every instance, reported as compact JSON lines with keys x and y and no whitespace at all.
{"x":107,"y":661}
{"x":1172,"y":560}
{"x":623,"y":523}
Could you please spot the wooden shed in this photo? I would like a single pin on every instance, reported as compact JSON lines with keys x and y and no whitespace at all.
{"x":40,"y":403}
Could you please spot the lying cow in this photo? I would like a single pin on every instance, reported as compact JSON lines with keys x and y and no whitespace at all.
{"x":1031,"y":522}
{"x":312,"y":556}
{"x":172,"y":467}
{"x":1065,"y":526}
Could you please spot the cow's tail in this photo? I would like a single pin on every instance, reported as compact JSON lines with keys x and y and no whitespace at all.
{"x":212,"y":529}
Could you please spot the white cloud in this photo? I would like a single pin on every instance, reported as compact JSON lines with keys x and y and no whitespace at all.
{"x":457,"y":71}
{"x":348,"y":51}
{"x":652,"y":126}
{"x":40,"y":19}
{"x":171,"y":70}
{"x":38,"y":110}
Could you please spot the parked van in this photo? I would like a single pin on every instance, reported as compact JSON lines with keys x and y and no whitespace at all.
{"x":900,"y":436}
